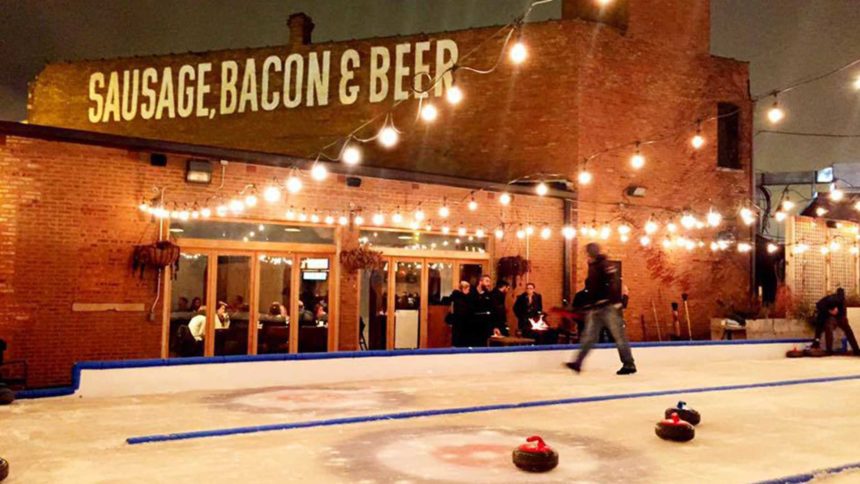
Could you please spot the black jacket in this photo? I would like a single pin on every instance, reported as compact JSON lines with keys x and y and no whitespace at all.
{"x":461,"y":306}
{"x":525,"y":311}
{"x":826,"y":304}
{"x":603,"y":284}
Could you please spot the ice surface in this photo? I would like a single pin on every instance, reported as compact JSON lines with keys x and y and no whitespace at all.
{"x":745,"y":435}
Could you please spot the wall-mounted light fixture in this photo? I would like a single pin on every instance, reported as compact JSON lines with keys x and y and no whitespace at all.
{"x":198,"y":171}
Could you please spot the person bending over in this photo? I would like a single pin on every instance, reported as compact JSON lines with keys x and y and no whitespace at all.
{"x":830,"y":312}
{"x":604,"y":310}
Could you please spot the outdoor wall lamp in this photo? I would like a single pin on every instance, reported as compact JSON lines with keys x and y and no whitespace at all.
{"x":198,"y":171}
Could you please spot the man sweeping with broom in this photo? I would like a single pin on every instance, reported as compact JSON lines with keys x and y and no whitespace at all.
{"x":604,"y":311}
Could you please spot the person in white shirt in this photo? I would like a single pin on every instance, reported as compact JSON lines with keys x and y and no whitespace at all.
{"x":197,"y":325}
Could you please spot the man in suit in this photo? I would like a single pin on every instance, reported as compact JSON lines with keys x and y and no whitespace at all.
{"x":529,"y":305}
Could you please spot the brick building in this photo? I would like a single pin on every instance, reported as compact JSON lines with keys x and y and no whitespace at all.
{"x":594,"y":80}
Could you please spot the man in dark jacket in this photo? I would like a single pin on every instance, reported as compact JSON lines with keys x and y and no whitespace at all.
{"x":528,"y":306}
{"x":500,"y":312}
{"x":482,"y":305}
{"x":461,"y":314}
{"x":830,"y":311}
{"x":604,"y":310}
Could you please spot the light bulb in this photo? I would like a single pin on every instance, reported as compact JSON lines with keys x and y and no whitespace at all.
{"x":294,"y":184}
{"x":429,"y":113}
{"x":775,"y":114}
{"x":445,"y":229}
{"x":479,"y":233}
{"x":454,"y":95}
{"x":671,"y":228}
{"x":251,"y":200}
{"x":351,"y":155}
{"x":605,"y":232}
{"x":835,"y":246}
{"x":303,"y":216}
{"x":320,"y":172}
{"x":637,"y":161}
{"x":820,"y":211}
{"x":473,"y":205}
{"x":521,"y":234}
{"x":343,"y":220}
{"x":388,"y":137}
{"x":444,"y":211}
{"x":143,"y":206}
{"x":603,"y":3}
{"x":714,"y":219}
{"x":747,"y":216}
{"x":800,"y":248}
{"x":541,"y":189}
{"x":499,"y":233}
{"x":315,"y":218}
{"x":545,"y":233}
{"x":645,"y":241}
{"x":584,"y":177}
{"x":857,"y":83}
{"x":505,"y":198}
{"x":688,"y":221}
{"x":397,"y":217}
{"x":771,"y":248}
{"x":824,"y":250}
{"x":461,"y":231}
{"x":651,"y":227}
{"x":221,"y":210}
{"x":206,"y":212}
{"x":836,"y":194}
{"x":378,"y":218}
{"x":272,"y":194}
{"x":779,"y":216}
{"x":329,"y":220}
{"x":744,"y":247}
{"x":518,"y":53}
{"x":290,"y":214}
{"x":358,"y":220}
{"x":787,"y":205}
{"x":698,"y":141}
{"x":419,"y":215}
{"x":568,"y":232}
{"x":236,"y":206}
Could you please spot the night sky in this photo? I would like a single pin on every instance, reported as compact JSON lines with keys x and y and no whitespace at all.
{"x":784,"y":40}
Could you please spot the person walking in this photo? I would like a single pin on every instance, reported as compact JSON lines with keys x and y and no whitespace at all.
{"x":604,"y":310}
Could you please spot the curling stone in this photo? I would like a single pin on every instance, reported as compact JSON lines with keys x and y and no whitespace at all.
{"x":7,"y":396}
{"x":675,"y":429}
{"x":794,"y":353}
{"x":814,"y":352}
{"x":685,"y":413}
{"x":4,"y":469}
{"x":535,"y":456}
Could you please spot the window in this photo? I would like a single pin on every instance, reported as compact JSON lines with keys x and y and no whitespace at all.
{"x":423,"y":241}
{"x":251,"y":232}
{"x":728,"y":136}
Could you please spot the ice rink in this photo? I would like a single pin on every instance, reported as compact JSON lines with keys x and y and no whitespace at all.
{"x":762,"y":419}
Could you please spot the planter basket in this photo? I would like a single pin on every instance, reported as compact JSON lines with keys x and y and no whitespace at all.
{"x":361,"y":258}
{"x":158,"y":255}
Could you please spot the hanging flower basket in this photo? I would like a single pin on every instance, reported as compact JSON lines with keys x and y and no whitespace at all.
{"x":158,"y":255}
{"x":509,"y":268}
{"x":361,"y":258}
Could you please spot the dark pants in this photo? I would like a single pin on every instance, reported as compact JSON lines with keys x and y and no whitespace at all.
{"x":608,"y":317}
{"x":827,"y":326}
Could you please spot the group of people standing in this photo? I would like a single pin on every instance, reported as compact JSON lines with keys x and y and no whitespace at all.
{"x":478,"y":313}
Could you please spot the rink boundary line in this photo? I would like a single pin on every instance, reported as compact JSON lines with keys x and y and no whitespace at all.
{"x":806,"y":477}
{"x":210,"y":360}
{"x":199,"y":434}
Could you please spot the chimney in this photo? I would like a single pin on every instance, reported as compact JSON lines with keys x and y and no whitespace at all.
{"x":614,"y":13}
{"x":301,"y":27}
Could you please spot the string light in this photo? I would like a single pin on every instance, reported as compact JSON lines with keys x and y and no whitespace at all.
{"x":568,"y":232}
{"x":303,"y":216}
{"x":824,"y":250}
{"x":454,"y":95}
{"x":206,"y":212}
{"x":637,"y":161}
{"x":854,"y":250}
{"x":378,"y":218}
{"x":624,"y":229}
{"x":397,"y":217}
{"x":800,"y":248}
{"x":698,"y":140}
{"x":429,"y":113}
{"x":351,"y":155}
{"x":541,"y":189}
{"x":780,"y":216}
{"x":294,"y":184}
{"x":775,"y":114}
{"x":236,"y":206}
{"x":320,"y":173}
{"x":358,"y":220}
{"x":835,"y":246}
{"x":461,"y":230}
{"x":747,"y":216}
{"x":272,"y":193}
{"x":444,"y":211}
{"x":499,"y":232}
{"x":419,"y":214}
{"x":521,"y":234}
{"x":518,"y":53}
{"x":329,"y":220}
{"x":505,"y":198}
{"x":671,"y":228}
{"x":314,"y":217}
{"x":388,"y":136}
{"x":820,"y":211}
{"x":473,"y":204}
{"x":714,"y":218}
{"x":645,"y":241}
{"x":545,"y":233}
{"x":651,"y":227}
{"x":836,"y":194}
{"x":530,"y":230}
{"x":744,"y":247}
{"x":445,"y":229}
{"x":771,"y":247}
{"x":787,"y":205}
{"x":479,"y":233}
{"x":688,"y":221}
{"x":584,"y":177}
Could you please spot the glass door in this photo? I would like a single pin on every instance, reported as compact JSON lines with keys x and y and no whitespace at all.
{"x":405,"y":296}
{"x":232,"y":304}
{"x":274,"y":302}
{"x":313,"y":305}
{"x":373,"y":309}
{"x":186,"y":327}
{"x":440,"y":284}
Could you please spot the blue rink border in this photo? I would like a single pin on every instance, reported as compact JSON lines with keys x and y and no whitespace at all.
{"x":463,"y":410}
{"x":210,"y":360}
{"x":801,"y":478}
